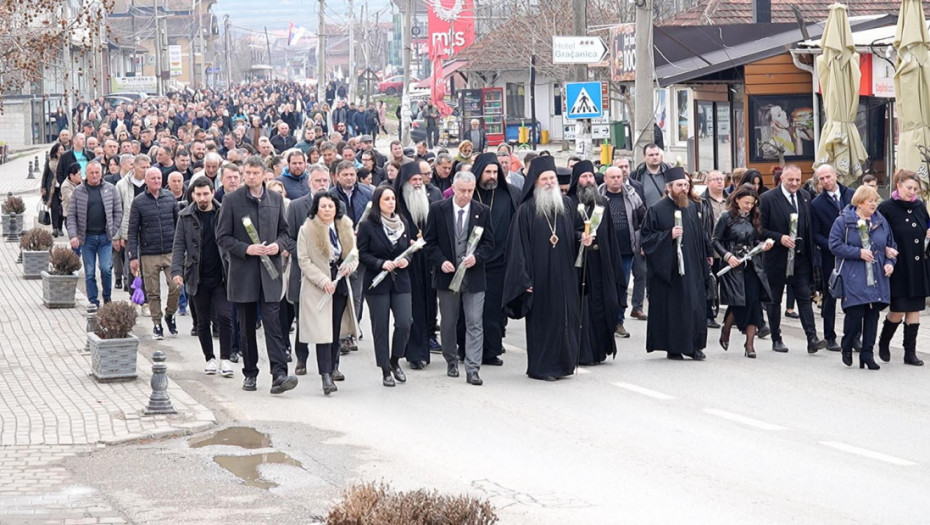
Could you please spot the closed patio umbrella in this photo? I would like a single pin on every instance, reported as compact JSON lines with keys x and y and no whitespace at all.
{"x":838,"y":73}
{"x":912,"y":89}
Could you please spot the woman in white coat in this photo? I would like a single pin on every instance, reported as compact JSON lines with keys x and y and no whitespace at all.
{"x":323,"y":243}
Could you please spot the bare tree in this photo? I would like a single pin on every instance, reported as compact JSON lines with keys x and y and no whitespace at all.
{"x":34,"y":33}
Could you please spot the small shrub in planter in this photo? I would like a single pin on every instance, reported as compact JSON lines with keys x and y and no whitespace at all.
{"x":379,"y":503}
{"x":12,"y":205}
{"x":35,"y":244}
{"x":113,"y":347}
{"x":60,"y":281}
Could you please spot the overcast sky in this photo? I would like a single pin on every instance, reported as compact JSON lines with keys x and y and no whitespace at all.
{"x":278,"y":14}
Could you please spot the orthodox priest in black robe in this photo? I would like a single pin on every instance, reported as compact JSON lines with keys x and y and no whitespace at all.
{"x":413,"y":204}
{"x":540,"y":279}
{"x":503,"y":198}
{"x":677,"y":303}
{"x":602,"y":284}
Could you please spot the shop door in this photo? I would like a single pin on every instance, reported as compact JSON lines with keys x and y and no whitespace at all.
{"x":714,"y":135}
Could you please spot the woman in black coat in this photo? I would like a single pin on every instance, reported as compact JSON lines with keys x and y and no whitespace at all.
{"x":382,"y":236}
{"x":910,"y":282}
{"x":745,"y":287}
{"x":51,"y":190}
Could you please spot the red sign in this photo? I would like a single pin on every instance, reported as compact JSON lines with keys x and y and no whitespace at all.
{"x":451,"y":27}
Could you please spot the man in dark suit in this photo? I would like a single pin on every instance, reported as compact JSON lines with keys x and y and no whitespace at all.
{"x":825,"y":208}
{"x":777,"y":206}
{"x":448,"y":230}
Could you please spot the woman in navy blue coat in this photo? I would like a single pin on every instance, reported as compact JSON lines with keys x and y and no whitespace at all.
{"x":862,"y":301}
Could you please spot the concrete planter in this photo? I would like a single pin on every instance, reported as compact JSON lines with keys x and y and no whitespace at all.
{"x":34,"y":263}
{"x":113,"y":359}
{"x":12,"y":223}
{"x":58,"y":290}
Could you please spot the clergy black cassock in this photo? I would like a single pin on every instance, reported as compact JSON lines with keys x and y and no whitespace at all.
{"x":601,"y":280}
{"x":552,"y":310}
{"x":422,"y":292}
{"x":677,"y":303}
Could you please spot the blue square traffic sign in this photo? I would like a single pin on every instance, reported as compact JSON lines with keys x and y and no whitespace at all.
{"x":583,"y":100}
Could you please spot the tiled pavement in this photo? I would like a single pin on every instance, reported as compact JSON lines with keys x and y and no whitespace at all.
{"x":50,"y":407}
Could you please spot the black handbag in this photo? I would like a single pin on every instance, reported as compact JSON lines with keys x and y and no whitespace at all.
{"x":43,"y":216}
{"x":835,"y":284}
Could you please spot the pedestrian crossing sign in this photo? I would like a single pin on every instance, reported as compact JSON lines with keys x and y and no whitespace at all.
{"x":583,"y":100}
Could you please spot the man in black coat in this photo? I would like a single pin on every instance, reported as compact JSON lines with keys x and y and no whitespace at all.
{"x":449,"y":230}
{"x":76,"y":155}
{"x":777,"y":206}
{"x":825,"y":208}
{"x":255,"y":270}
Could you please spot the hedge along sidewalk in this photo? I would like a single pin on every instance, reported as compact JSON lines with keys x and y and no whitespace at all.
{"x":47,"y":396}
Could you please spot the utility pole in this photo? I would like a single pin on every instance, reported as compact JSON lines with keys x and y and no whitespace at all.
{"x":203,"y":49}
{"x":353,"y":71}
{"x":226,"y":45}
{"x":158,"y":50}
{"x":405,"y":99}
{"x":644,"y":86}
{"x":321,"y":56}
{"x":268,"y":46}
{"x":69,"y":93}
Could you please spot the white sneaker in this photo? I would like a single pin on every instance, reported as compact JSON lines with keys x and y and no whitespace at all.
{"x":226,"y":369}
{"x":210,"y":369}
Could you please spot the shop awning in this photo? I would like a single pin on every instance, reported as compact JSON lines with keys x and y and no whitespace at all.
{"x":727,"y":47}
{"x":447,"y":70}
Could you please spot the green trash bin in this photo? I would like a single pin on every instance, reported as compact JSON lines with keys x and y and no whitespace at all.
{"x":618,"y":134}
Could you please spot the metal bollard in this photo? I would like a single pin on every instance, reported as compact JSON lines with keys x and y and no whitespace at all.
{"x":14,"y":233}
{"x":91,"y":323}
{"x":35,"y":164}
{"x":31,"y":172}
{"x":159,"y":402}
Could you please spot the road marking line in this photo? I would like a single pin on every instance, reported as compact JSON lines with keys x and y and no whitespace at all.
{"x":743,"y":419}
{"x":644,"y":391}
{"x":867,"y":453}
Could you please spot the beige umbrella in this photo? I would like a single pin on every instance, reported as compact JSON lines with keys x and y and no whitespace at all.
{"x":912,"y":89}
{"x":838,"y":73}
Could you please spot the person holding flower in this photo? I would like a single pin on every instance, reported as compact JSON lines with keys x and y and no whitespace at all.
{"x":862,"y":241}
{"x":382,"y":237}
{"x":325,"y":254}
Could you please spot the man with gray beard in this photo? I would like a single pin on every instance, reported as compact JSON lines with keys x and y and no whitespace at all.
{"x":677,"y":299}
{"x":413,"y":204}
{"x":601,"y":277}
{"x":540,"y":280}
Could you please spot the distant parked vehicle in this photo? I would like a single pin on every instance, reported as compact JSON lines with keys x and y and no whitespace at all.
{"x":392,"y":85}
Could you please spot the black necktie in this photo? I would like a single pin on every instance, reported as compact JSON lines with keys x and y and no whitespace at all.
{"x":459,"y":224}
{"x":836,"y":202}
{"x":794,"y":203}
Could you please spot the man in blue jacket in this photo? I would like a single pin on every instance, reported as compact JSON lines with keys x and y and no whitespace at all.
{"x":825,"y":208}
{"x":294,"y":177}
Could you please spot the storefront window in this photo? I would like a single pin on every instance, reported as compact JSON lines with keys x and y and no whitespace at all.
{"x":516,"y":100}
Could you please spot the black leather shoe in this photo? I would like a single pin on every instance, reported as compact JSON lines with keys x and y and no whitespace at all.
{"x":497,"y":361}
{"x":698,"y":355}
{"x":388,"y":381}
{"x":764,"y":332}
{"x":792,"y":314}
{"x":814,"y":345}
{"x":544,"y":378}
{"x":473,"y":379}
{"x":248,"y":384}
{"x":328,"y":386}
{"x":416,"y":365}
{"x":675,"y":356}
{"x":301,"y":368}
{"x":282,"y":384}
{"x":287,"y":353}
{"x":338,"y":376}
{"x":234,"y":357}
{"x":194,"y":332}
{"x":833,"y":346}
{"x":712,"y":323}
{"x":399,"y":374}
{"x":452,"y":370}
{"x":779,"y":346}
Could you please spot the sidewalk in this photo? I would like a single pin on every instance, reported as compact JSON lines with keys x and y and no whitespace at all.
{"x":50,"y":407}
{"x":14,"y":173}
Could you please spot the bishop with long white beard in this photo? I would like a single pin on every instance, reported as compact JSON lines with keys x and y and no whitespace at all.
{"x":540,"y":282}
{"x":413,"y":205}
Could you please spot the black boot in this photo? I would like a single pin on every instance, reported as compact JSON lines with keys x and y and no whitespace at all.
{"x":866,"y":360}
{"x":910,"y":345}
{"x":888,"y":330}
{"x":328,"y":386}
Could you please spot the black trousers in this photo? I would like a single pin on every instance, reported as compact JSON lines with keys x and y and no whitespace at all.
{"x":274,"y":339}
{"x":211,"y":302}
{"x":828,"y":312}
{"x":327,"y":355}
{"x":380,"y":307}
{"x":57,"y":217}
{"x":861,"y":319}
{"x":493,"y":317}
{"x":301,"y":349}
{"x":286,"y":315}
{"x":802,"y":285}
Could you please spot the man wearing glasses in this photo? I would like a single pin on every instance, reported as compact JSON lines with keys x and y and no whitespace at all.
{"x":714,"y":203}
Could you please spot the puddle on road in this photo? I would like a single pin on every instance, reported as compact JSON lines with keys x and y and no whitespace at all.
{"x":246,"y":467}
{"x":244,"y":437}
